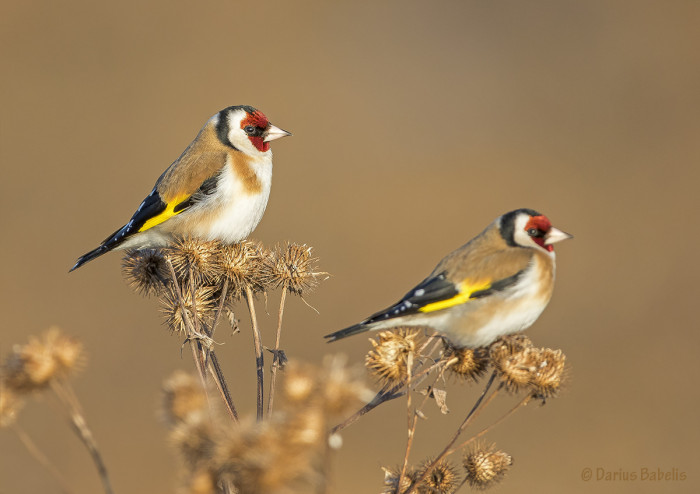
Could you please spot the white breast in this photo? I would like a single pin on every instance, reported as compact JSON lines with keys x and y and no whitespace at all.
{"x":237,"y":210}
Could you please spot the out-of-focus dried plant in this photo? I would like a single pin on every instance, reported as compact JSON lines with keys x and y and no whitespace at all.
{"x":10,"y":405}
{"x":36,"y":364}
{"x":285,"y":453}
{"x":43,"y":363}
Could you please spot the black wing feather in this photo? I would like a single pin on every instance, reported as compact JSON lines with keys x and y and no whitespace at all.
{"x":430,"y":290}
{"x":151,"y":206}
{"x":433,"y":289}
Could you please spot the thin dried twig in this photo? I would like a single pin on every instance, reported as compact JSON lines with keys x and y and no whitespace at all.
{"x":41,"y":458}
{"x":473,"y":413}
{"x":67,"y":397}
{"x":510,"y":412}
{"x":259,"y":359}
{"x":275,"y":358}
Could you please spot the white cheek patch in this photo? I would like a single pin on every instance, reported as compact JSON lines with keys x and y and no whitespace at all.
{"x":520,"y":235}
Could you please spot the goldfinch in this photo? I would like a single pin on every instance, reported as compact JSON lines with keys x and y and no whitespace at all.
{"x":216,"y":190}
{"x":497,"y":284}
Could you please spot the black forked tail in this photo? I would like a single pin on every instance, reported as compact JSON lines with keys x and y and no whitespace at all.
{"x":110,"y":243}
{"x":102,"y":249}
{"x":344,"y":333}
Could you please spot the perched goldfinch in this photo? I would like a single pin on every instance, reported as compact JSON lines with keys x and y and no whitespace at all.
{"x":497,"y":284}
{"x":216,"y":190}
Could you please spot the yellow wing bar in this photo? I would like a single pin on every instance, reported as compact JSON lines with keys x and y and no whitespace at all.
{"x":166,"y":214}
{"x":466,"y":289}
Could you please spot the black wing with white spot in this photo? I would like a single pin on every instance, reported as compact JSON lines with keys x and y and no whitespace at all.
{"x":430,"y":290}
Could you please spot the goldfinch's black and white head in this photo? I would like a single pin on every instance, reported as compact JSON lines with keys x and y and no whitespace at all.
{"x":528,"y":228}
{"x":246,"y":129}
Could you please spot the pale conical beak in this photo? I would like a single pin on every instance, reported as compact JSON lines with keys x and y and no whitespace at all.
{"x":273,"y":133}
{"x":555,"y":235}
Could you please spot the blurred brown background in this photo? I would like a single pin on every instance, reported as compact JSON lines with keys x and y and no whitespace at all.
{"x":415,"y":124}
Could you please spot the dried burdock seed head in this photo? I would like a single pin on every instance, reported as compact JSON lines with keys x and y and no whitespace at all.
{"x":471,"y":363}
{"x":549,"y":372}
{"x":195,"y":439}
{"x":391,"y":480}
{"x":485,"y":467}
{"x":304,"y":428}
{"x":196,"y":256}
{"x":10,"y":405}
{"x":274,"y":456}
{"x":441,"y":480}
{"x":299,"y":384}
{"x":334,"y":388}
{"x":146,"y":271}
{"x":52,"y":356}
{"x":183,"y":396}
{"x":202,"y":480}
{"x":291,"y":267}
{"x":515,"y":360}
{"x":204,"y":306}
{"x":341,"y":386}
{"x":388,"y":360}
{"x":240,"y":264}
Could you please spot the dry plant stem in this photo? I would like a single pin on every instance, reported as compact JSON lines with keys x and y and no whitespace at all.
{"x":387,"y":394}
{"x":409,"y":419}
{"x":194,"y":300}
{"x":259,"y":360}
{"x":413,"y":416}
{"x":212,"y":362}
{"x":473,"y":413}
{"x":218,"y":376}
{"x":275,"y":363}
{"x":66,"y":395}
{"x":510,"y":412}
{"x":190,"y":328}
{"x":41,"y":458}
{"x":220,"y":308}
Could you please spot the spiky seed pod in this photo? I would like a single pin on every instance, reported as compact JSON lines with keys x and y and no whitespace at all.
{"x":51,"y":356}
{"x":515,"y":361}
{"x":391,"y":480}
{"x":195,"y":439}
{"x":485,"y":466}
{"x":388,"y":360}
{"x":146,"y":271}
{"x":183,"y":396}
{"x":195,"y":255}
{"x":471,"y":362}
{"x":67,"y":351}
{"x":240,"y":263}
{"x":549,"y":372}
{"x":441,"y":480}
{"x":293,"y":267}
{"x":172,"y":309}
{"x":10,"y":405}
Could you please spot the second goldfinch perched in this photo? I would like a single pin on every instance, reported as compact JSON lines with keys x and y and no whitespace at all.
{"x":216,"y":190}
{"x":497,"y":284}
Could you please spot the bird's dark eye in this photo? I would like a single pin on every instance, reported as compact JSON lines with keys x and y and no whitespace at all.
{"x":249,"y":129}
{"x":535,"y":232}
